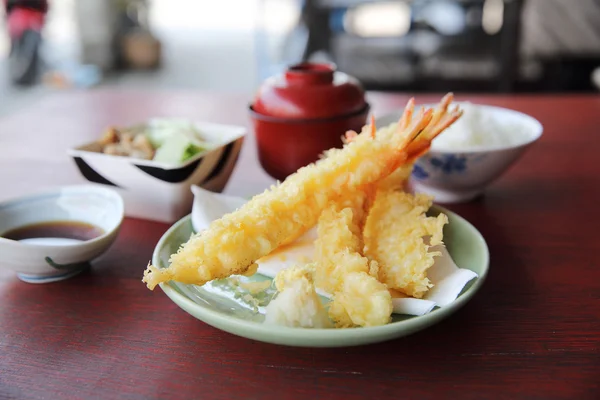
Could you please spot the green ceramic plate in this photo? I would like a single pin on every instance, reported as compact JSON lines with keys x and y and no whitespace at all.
{"x":465,"y":244}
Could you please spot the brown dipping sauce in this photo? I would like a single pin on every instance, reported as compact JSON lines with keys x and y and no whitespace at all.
{"x":55,"y":229}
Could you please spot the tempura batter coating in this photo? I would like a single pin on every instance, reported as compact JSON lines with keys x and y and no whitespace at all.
{"x":394,"y":236}
{"x":398,"y":179}
{"x":337,"y":248}
{"x":359,"y":299}
{"x":362,"y":301}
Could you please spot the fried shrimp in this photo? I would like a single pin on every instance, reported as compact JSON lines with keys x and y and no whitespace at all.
{"x":359,"y":299}
{"x":232,"y":244}
{"x":396,"y":224}
{"x":394,"y":236}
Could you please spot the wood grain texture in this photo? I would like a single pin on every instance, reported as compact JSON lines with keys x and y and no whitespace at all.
{"x":532,"y":332}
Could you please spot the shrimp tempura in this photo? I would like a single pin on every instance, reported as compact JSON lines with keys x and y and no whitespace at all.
{"x":394,"y":236}
{"x":232,"y":244}
{"x":359,"y":299}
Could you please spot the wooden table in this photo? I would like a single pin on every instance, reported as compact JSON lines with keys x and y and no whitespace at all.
{"x":532,"y":332}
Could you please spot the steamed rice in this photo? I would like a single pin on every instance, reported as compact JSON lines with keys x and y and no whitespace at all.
{"x":481,"y":128}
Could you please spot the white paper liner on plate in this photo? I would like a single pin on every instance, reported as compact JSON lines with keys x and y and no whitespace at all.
{"x":448,"y":279}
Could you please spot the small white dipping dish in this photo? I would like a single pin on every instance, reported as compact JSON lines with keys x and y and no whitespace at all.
{"x":50,"y":259}
{"x":472,"y":153}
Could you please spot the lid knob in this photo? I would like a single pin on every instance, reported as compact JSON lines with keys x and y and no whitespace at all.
{"x":310,"y":74}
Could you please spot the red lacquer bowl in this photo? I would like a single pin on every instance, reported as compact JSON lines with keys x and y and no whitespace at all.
{"x":303,"y":112}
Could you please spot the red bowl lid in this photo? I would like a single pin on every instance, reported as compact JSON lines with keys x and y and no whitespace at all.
{"x":308,"y":91}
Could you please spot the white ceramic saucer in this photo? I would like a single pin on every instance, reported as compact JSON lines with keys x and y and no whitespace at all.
{"x":43,"y":260}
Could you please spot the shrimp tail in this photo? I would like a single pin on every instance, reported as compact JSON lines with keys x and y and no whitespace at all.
{"x":373,"y":127}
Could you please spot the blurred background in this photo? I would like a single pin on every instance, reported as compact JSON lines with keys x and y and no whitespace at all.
{"x":494,"y":46}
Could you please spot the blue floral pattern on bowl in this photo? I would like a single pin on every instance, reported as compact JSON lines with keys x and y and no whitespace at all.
{"x":419,"y":172}
{"x":449,"y":163}
{"x":437,"y":166}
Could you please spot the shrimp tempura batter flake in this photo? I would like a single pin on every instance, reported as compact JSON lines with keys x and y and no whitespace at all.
{"x":394,"y":236}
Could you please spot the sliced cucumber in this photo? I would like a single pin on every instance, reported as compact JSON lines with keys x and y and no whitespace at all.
{"x":176,"y":149}
{"x":175,"y":140}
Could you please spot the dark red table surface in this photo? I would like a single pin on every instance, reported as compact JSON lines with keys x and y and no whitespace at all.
{"x":532,"y":332}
